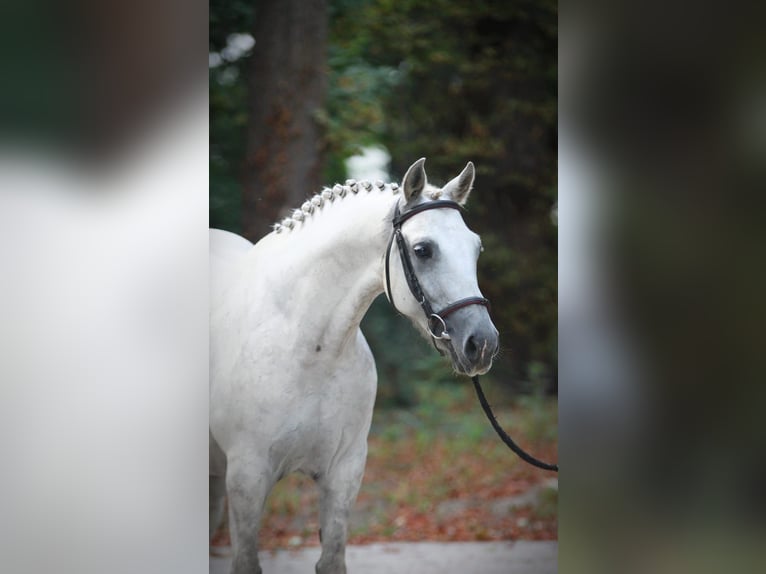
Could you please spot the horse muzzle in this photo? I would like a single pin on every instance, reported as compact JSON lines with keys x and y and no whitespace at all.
{"x":473,"y":352}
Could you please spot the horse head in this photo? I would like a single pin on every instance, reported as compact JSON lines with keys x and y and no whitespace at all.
{"x":431,"y":270}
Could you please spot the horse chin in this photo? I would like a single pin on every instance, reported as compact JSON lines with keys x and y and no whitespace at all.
{"x":472,"y":372}
{"x":459,"y":364}
{"x":462,"y":366}
{"x":483,"y":371}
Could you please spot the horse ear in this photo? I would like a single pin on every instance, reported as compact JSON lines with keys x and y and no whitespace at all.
{"x":415,"y":180}
{"x":460,"y":188}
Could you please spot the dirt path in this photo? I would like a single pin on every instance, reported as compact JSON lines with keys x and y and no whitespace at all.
{"x":522,"y":557}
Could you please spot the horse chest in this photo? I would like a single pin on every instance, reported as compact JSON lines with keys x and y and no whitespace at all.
{"x":316,"y":430}
{"x":330,"y":406}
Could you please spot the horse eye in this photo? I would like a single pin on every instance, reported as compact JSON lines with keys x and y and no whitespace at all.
{"x":423,"y":251}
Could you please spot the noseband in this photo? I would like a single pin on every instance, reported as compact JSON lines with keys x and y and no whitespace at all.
{"x":437,"y":326}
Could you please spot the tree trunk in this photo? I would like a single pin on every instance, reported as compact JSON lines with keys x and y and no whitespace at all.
{"x":287,"y":87}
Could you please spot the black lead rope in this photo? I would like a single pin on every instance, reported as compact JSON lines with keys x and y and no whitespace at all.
{"x":417,"y":292}
{"x":504,"y":435}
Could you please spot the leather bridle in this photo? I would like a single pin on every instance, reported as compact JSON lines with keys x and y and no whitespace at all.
{"x":436,"y":321}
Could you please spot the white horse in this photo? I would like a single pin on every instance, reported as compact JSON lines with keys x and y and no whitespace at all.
{"x":292,"y":379}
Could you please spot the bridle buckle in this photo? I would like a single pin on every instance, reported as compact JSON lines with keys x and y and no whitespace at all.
{"x":444,"y":335}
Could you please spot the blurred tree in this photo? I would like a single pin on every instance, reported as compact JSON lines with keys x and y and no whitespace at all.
{"x":287,"y":86}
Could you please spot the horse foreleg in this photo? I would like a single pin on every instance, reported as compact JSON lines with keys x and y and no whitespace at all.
{"x":338,"y":490}
{"x":248,"y":483}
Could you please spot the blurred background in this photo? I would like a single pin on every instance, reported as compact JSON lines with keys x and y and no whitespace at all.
{"x":309,"y":93}
{"x":103,"y":288}
{"x":662,"y":149}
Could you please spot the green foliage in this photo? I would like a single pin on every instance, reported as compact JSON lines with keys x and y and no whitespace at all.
{"x":452,"y":411}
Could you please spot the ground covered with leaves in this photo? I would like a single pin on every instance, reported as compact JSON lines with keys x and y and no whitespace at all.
{"x":436,"y":472}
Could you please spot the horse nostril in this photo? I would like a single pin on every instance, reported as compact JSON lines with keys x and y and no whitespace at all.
{"x":471,"y":349}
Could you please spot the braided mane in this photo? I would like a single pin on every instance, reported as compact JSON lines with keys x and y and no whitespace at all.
{"x":338,"y":191}
{"x":328,"y":196}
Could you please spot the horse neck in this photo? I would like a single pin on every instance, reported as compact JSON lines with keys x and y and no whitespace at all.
{"x":331,"y":267}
